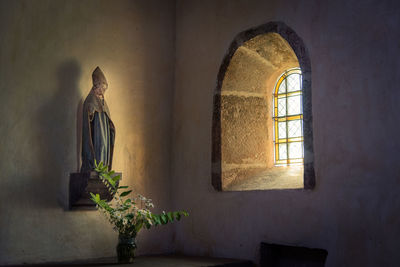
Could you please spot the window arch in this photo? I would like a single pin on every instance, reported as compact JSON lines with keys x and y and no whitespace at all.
{"x":237,"y":100}
{"x":288,"y":118}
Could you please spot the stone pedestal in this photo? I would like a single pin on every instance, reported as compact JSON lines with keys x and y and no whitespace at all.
{"x":81,"y":184}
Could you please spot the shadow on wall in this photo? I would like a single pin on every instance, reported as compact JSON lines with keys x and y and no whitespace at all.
{"x":79,"y":119}
{"x":55,"y":124}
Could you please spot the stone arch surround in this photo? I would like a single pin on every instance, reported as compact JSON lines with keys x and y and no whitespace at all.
{"x":300,"y":51}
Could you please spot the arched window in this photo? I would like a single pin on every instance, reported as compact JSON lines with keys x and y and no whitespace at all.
{"x":262,"y":134}
{"x":288,"y":119}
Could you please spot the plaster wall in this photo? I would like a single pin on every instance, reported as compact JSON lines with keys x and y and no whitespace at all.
{"x":48,"y":50}
{"x":353,"y":212}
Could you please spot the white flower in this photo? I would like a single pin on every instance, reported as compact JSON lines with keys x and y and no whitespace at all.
{"x":149,"y":205}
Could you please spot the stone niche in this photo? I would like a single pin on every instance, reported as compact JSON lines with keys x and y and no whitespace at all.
{"x":245,"y":109}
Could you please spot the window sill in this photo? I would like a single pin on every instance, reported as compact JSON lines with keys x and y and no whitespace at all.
{"x":279,"y":177}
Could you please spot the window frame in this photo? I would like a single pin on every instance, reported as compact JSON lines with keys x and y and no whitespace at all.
{"x":287,"y":118}
{"x":303,"y":57}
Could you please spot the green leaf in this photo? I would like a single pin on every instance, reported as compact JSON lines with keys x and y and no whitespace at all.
{"x":164,"y":219}
{"x":112,"y":183}
{"x":148,"y":225}
{"x":123,"y":187}
{"x":116,"y":177}
{"x":126,"y":193}
{"x":184,"y":213}
{"x":130,"y":216}
{"x":109,"y":180}
{"x":177,"y":215}
{"x":106,"y":176}
{"x":170,"y":216}
{"x":107,"y":207}
{"x":156,"y":219}
{"x":138,"y":226}
{"x":93,"y":197}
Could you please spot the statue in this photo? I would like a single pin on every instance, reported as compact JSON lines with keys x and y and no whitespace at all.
{"x":98,"y":131}
{"x":98,"y":135}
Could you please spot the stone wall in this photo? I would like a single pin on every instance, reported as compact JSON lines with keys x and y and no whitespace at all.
{"x":246,"y":125}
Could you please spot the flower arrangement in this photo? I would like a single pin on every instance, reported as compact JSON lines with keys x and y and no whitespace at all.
{"x":127,"y":214}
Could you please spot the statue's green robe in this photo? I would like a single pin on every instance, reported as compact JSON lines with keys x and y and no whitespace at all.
{"x":98,"y":133}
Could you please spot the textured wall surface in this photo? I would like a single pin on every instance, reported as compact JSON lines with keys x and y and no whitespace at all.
{"x":353,"y":212}
{"x":48,"y":50}
{"x":246,"y":126}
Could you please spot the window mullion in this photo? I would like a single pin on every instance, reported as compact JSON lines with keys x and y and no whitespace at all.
{"x":287,"y":124}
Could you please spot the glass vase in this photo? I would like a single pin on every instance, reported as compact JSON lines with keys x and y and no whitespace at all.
{"x":126,"y":248}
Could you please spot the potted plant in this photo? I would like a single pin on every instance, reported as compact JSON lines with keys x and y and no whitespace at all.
{"x":128,"y":214}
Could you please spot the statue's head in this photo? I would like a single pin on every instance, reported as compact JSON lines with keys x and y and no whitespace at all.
{"x":100,"y":84}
